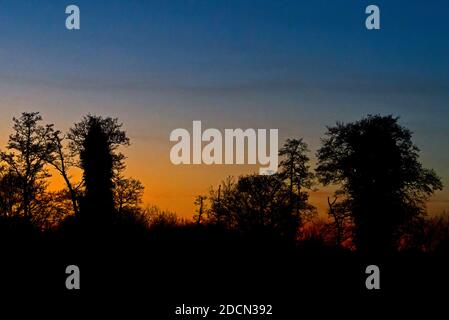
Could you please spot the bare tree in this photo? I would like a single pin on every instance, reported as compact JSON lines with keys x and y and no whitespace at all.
{"x":62,"y":162}
{"x":340,"y":215}
{"x":128,"y":194}
{"x":199,"y":212}
{"x":29,"y":149}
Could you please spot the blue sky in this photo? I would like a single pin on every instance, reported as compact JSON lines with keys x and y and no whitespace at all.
{"x":293,"y":65}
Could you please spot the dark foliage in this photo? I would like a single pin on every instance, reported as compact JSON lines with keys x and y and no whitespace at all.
{"x":376,"y":164}
{"x":96,"y":162}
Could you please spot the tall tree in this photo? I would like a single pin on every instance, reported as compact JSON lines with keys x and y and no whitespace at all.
{"x":295,"y":169}
{"x":96,"y":160}
{"x":29,"y":148}
{"x":376,"y":164}
{"x":96,"y":141}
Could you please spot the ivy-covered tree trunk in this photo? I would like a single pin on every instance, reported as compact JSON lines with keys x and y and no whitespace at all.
{"x":97,"y":163}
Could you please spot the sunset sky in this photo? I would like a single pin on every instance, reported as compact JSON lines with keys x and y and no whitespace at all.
{"x":296,"y":66}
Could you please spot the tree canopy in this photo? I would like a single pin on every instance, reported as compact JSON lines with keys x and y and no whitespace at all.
{"x":376,"y":164}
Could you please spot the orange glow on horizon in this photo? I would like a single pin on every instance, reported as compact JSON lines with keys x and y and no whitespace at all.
{"x":174,"y":187}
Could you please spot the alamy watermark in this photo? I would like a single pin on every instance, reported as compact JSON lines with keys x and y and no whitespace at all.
{"x":230,"y":147}
{"x":73,"y":21}
{"x":372,"y":21}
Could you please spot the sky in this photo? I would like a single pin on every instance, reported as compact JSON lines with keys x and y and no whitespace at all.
{"x":297,"y":66}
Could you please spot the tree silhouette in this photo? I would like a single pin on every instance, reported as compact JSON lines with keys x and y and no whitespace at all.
{"x":380,"y":202}
{"x":62,"y":161}
{"x":199,"y":202}
{"x":256,"y":203}
{"x":220,"y":212}
{"x":340,"y":215}
{"x":376,"y":163}
{"x":249,"y":228}
{"x":114,"y":137}
{"x":276,"y":202}
{"x":128,"y":194}
{"x":10,"y":192}
{"x":295,"y":170}
{"x":95,"y":140}
{"x":253,"y":202}
{"x":96,"y":160}
{"x":29,"y":149}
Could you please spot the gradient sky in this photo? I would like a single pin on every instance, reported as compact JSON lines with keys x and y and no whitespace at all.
{"x":293,"y":65}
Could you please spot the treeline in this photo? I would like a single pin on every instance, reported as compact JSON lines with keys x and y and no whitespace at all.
{"x":379,"y":205}
{"x":35,"y":151}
